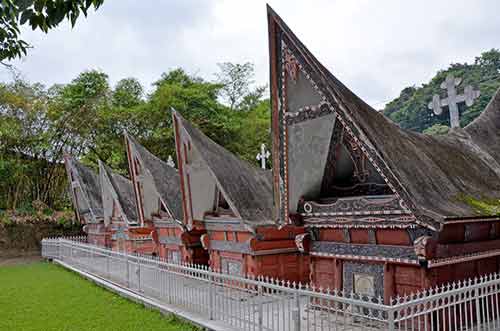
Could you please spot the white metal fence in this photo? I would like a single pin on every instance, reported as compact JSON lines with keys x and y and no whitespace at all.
{"x":268,"y":304}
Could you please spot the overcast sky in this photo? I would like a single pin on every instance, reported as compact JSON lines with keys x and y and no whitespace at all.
{"x":375,"y":47}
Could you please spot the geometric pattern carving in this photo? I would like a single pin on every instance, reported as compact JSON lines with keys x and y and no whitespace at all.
{"x":365,"y":205}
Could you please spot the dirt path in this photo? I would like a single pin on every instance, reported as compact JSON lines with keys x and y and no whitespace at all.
{"x":15,"y":258}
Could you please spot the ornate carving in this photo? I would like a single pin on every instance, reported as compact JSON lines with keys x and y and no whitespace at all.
{"x":365,"y":205}
{"x":424,"y":247}
{"x":308,"y":113}
{"x":303,"y":242}
{"x":361,"y":172}
{"x":291,"y":66}
{"x":363,"y":250}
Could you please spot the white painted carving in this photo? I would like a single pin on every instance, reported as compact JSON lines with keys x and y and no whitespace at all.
{"x":263,"y":156}
{"x":170,"y":161}
{"x":453,"y":99}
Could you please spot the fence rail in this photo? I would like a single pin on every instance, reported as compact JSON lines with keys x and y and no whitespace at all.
{"x":264,"y":304}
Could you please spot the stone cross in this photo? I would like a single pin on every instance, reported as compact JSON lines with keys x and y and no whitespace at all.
{"x":263,"y":156}
{"x":170,"y":161}
{"x":453,"y":99}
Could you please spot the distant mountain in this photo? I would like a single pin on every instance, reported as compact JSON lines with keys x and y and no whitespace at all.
{"x":410,"y":110}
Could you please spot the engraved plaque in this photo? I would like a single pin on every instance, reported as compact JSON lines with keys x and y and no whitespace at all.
{"x":231,"y":267}
{"x":364,"y":284}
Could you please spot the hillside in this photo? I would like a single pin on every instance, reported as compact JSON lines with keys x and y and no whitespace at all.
{"x":410,"y":110}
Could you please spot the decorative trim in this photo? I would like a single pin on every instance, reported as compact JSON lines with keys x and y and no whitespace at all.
{"x":307,"y":113}
{"x":463,"y":258}
{"x":365,"y":258}
{"x":230,"y":246}
{"x":404,"y":254}
{"x":170,"y":240}
{"x":364,"y":205}
{"x":363,"y":226}
{"x":403,"y":221}
{"x":275,"y":251}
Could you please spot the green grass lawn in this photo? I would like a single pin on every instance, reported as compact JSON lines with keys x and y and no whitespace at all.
{"x":42,"y":296}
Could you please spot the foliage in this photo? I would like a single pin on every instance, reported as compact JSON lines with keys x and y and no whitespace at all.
{"x":437,"y":129}
{"x":44,"y":296}
{"x":39,"y":14}
{"x":86,"y":118}
{"x":483,"y":206}
{"x":236,"y":80}
{"x":410,"y":110}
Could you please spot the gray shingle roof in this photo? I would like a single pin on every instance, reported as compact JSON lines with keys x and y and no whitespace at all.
{"x":247,"y":187}
{"x":166,"y":178}
{"x":89,"y":182}
{"x":125,"y":192}
{"x":432,"y":173}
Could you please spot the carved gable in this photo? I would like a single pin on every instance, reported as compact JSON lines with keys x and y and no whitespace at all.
{"x":321,"y":155}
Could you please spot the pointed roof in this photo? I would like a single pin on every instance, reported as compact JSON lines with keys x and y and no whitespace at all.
{"x":246,"y":187}
{"x":123,"y":189}
{"x":431,"y":174}
{"x":166,"y":178}
{"x":89,"y":183}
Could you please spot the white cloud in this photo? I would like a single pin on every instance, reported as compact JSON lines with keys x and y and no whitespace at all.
{"x":375,"y":47}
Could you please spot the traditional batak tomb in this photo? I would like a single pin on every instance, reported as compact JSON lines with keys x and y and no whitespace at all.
{"x":158,"y":197}
{"x":86,"y":195}
{"x":232,"y":200}
{"x":120,"y":215}
{"x":388,"y":211}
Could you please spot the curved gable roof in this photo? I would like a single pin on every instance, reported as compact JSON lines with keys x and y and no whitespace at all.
{"x":166,"y":178}
{"x":124,"y":191}
{"x":247,"y":187}
{"x":431,"y":173}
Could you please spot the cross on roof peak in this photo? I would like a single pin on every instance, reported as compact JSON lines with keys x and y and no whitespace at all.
{"x":263,"y":156}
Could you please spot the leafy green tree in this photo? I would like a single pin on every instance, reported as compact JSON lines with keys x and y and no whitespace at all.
{"x":236,"y":81}
{"x":39,"y":14}
{"x":128,"y":92}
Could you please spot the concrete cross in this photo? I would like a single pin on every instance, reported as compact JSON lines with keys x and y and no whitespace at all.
{"x":263,"y":156}
{"x":453,"y":99}
{"x":170,"y":161}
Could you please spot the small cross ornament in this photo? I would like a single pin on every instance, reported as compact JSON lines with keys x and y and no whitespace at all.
{"x":453,"y":99}
{"x":263,"y":156}
{"x":170,"y":161}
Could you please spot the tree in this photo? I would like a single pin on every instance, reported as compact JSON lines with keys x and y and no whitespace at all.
{"x":128,"y":93}
{"x":236,"y":80}
{"x":39,"y":14}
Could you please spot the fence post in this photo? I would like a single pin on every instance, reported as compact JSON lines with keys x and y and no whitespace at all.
{"x":71,"y":252}
{"x":139,"y":274}
{"x":107,"y":265}
{"x":296,"y":312}
{"x":128,"y":270}
{"x":390,"y":319}
{"x":478,"y":307}
{"x":212,"y":296}
{"x":261,"y":307}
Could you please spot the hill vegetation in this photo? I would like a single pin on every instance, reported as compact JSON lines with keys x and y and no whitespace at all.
{"x":410,"y":110}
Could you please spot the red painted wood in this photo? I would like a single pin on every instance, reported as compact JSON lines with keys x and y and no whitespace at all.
{"x":392,"y":237}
